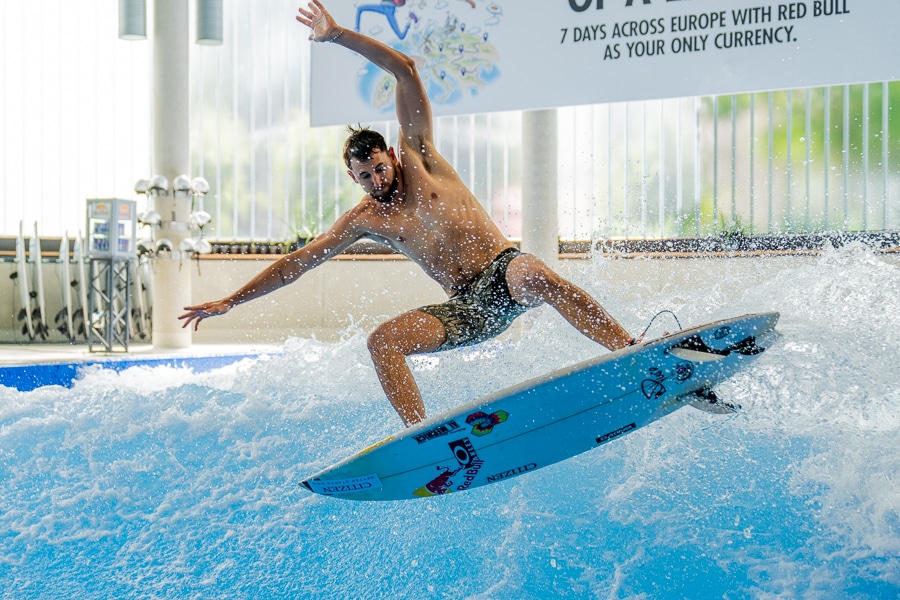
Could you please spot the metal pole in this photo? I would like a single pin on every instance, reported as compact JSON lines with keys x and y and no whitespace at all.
{"x":540,"y":229}
{"x":171,"y":157}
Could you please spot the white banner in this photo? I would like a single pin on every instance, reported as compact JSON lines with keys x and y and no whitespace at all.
{"x":478,"y":56}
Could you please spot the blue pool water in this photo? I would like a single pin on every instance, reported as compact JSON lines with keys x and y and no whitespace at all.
{"x":158,"y":482}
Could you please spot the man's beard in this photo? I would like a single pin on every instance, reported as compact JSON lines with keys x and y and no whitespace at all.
{"x":388,"y":194}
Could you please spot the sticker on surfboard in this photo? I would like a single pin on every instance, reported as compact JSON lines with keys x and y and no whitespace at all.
{"x":344,"y":486}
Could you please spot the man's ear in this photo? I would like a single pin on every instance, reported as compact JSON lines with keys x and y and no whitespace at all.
{"x":352,"y":176}
{"x":391,"y":153}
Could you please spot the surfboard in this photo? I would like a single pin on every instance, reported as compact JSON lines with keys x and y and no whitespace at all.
{"x":81,"y":318}
{"x":64,"y":318}
{"x":140,"y":313}
{"x":522,"y":429}
{"x":145,"y":275}
{"x":39,"y":315}
{"x":21,"y":276}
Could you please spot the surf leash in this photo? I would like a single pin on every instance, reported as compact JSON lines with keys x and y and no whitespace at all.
{"x":640,"y":338}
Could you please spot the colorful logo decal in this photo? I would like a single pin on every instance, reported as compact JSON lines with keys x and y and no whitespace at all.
{"x":468,"y":467}
{"x":721,"y":332}
{"x":512,"y":472}
{"x":483,"y":423}
{"x":344,"y":486}
{"x":436,"y":432}
{"x":653,"y":387}
{"x":684,"y":371}
{"x":614,"y":434}
{"x":439,"y":485}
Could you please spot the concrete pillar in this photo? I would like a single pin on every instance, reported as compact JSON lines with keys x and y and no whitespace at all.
{"x":171,"y":157}
{"x":540,"y":229}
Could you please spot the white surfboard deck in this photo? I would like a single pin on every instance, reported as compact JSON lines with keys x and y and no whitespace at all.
{"x":140,"y":314}
{"x":145,"y":275}
{"x":540,"y":422}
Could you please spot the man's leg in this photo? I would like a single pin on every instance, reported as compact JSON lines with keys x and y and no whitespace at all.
{"x":532,"y":282}
{"x":411,"y":333}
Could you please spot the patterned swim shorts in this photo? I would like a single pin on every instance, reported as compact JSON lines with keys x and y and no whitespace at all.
{"x":482,"y":309}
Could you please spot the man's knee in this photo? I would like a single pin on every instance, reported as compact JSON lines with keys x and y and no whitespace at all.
{"x":380,"y":341}
{"x":532,"y":282}
{"x":407,"y":334}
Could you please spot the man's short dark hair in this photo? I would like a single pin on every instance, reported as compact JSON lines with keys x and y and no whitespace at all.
{"x":362,"y":143}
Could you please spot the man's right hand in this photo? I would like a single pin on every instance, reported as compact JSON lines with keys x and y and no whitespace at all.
{"x":197,"y":313}
{"x":323,"y":27}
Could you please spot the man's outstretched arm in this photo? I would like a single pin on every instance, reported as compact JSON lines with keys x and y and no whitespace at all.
{"x":413,"y":108}
{"x":283,"y":271}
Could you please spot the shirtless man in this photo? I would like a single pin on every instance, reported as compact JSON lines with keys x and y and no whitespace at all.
{"x":416,"y":203}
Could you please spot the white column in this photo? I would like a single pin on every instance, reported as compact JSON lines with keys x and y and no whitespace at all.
{"x":540,"y":229}
{"x":171,"y":157}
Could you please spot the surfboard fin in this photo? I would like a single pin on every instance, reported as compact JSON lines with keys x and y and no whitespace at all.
{"x":748,"y":347}
{"x":39,"y":328}
{"x":78,"y":322}
{"x":708,"y":401}
{"x":61,"y":323}
{"x":694,"y":348}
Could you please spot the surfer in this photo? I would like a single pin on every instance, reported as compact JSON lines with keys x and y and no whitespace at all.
{"x":416,"y":203}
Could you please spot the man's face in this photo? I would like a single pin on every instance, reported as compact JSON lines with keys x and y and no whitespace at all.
{"x":377,"y":175}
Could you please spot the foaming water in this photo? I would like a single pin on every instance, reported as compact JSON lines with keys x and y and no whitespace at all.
{"x":161,"y":483}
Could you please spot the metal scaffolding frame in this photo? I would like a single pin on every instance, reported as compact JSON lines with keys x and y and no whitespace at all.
{"x":109,"y":304}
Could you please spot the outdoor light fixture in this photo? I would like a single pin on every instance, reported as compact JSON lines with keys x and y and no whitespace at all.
{"x":150,"y":217}
{"x":133,"y":19}
{"x":182,"y":183}
{"x":159,"y":185}
{"x":182,"y":186}
{"x":200,"y":186}
{"x":209,"y":22}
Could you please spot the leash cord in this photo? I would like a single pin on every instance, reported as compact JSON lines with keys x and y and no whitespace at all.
{"x":640,"y":338}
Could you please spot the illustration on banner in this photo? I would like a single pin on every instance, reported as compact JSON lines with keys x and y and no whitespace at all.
{"x":448,"y":39}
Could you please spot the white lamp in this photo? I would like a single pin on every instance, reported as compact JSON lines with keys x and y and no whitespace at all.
{"x":133,"y":19}
{"x":159,"y":185}
{"x":209,"y":22}
{"x":181,"y":184}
